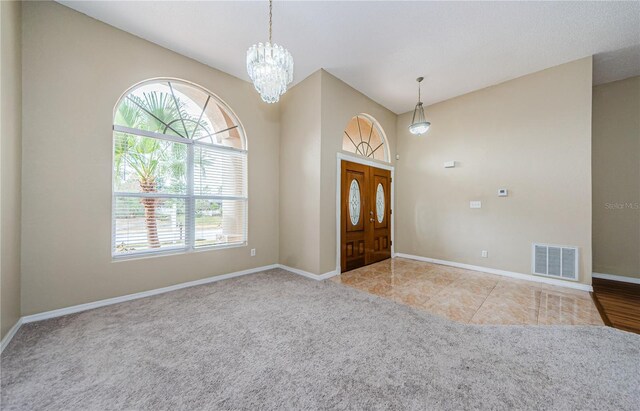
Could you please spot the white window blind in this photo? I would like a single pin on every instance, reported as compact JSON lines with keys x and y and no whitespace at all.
{"x":180,"y":172}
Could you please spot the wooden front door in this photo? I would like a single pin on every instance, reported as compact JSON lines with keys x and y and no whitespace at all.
{"x":365,"y":234}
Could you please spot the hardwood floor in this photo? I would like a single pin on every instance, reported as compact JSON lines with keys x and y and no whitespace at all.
{"x":618,"y":303}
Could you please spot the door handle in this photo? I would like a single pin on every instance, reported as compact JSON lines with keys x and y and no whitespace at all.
{"x":370,"y":212}
{"x":371,"y":220}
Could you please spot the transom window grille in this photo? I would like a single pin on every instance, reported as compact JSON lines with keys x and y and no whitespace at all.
{"x":364,"y":137}
{"x":179,"y":171}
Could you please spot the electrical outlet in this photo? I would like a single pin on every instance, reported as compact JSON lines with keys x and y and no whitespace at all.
{"x":253,"y":252}
{"x":485,"y":254}
{"x":475,"y":204}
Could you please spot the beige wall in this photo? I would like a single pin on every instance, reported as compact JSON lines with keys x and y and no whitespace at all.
{"x":75,"y":69}
{"x":300,"y":175}
{"x":314,"y":115}
{"x":531,"y":135}
{"x":616,"y":178}
{"x":10,"y":161}
{"x":341,"y":102}
{"x":537,"y":128}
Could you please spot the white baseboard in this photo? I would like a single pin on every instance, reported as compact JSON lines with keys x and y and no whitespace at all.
{"x":318,"y":277}
{"x":7,"y":338}
{"x":616,"y":278}
{"x":115,"y":300}
{"x":520,"y":276}
{"x":129,"y":297}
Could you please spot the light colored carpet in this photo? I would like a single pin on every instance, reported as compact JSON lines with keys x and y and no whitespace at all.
{"x":279,"y":341}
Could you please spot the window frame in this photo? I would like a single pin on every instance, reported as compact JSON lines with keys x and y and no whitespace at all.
{"x":190,"y":197}
{"x":375,"y":124}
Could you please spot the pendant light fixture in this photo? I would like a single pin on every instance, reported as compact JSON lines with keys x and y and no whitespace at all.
{"x":419,"y":124}
{"x":270,"y":67}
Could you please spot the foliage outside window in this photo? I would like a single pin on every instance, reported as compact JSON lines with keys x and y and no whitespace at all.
{"x":179,"y":171}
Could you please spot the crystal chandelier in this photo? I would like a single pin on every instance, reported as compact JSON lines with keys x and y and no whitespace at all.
{"x":419,"y":124}
{"x":270,"y":67}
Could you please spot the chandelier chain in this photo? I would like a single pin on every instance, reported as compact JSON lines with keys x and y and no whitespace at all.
{"x":419,"y":124}
{"x":270,"y":66}
{"x":270,"y":19}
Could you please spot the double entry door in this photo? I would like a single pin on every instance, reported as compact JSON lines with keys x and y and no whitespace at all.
{"x":365,"y":236}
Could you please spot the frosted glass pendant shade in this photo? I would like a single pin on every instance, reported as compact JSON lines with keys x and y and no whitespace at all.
{"x":419,"y":125}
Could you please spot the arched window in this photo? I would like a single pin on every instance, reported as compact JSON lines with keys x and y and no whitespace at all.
{"x":179,"y":171}
{"x":364,"y":136}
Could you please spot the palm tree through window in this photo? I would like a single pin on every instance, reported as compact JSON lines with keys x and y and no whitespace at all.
{"x":179,"y":171}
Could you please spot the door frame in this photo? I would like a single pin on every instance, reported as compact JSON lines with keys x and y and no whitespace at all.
{"x":360,"y":160}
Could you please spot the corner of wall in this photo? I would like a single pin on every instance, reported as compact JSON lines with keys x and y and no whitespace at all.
{"x":534,"y":139}
{"x":10,"y":162}
{"x":616,"y":177}
{"x":300,"y":175}
{"x":313,"y":116}
{"x":340,"y":103}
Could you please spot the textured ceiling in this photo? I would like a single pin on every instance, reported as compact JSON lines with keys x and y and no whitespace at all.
{"x":380,"y":47}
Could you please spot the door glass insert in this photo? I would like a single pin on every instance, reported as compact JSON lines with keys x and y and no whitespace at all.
{"x":365,"y":215}
{"x":354,"y":202}
{"x":380,"y":203}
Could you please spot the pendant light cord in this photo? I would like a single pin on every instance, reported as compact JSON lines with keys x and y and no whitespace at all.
{"x":270,"y":18}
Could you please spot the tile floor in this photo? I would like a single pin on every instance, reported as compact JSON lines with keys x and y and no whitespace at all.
{"x":473,"y":297}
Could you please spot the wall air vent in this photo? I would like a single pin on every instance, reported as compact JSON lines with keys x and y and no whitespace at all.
{"x":555,"y":261}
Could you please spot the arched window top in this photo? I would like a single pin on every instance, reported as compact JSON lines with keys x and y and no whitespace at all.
{"x":179,"y":171}
{"x":364,"y":136}
{"x":179,"y":109}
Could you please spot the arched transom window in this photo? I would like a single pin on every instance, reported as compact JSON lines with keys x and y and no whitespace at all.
{"x":179,"y":171}
{"x":364,"y":137}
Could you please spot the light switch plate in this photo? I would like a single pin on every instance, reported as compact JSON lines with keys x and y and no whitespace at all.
{"x":475,"y":204}
{"x":450,"y":164}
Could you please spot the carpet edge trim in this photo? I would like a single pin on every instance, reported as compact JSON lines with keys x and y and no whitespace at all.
{"x":317,"y":277}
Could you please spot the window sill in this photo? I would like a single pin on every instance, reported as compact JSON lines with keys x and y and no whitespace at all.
{"x":173,"y":252}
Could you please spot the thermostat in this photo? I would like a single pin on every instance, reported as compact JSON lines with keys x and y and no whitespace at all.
{"x":503,"y":192}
